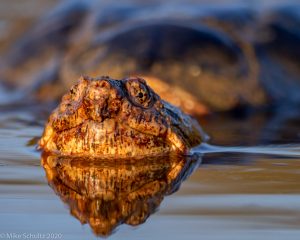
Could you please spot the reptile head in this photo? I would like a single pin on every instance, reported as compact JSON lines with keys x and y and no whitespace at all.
{"x":117,"y":118}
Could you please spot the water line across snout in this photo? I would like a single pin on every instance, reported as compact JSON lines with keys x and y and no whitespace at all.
{"x":284,"y":150}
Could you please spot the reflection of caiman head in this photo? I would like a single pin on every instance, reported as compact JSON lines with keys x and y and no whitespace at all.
{"x":108,"y":193}
{"x":117,"y":118}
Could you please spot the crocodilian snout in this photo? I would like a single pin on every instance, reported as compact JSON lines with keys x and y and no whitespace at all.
{"x":117,"y":118}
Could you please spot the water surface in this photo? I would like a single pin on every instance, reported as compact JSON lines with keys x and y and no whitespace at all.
{"x":230,"y":196}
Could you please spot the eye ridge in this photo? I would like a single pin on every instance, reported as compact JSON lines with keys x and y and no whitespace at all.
{"x":139,"y":93}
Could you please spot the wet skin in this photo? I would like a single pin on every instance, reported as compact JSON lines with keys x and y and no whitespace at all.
{"x":118,"y":119}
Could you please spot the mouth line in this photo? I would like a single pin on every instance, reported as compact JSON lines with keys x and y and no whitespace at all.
{"x":163,"y":141}
{"x":68,"y":129}
{"x":136,"y":130}
{"x":95,"y":121}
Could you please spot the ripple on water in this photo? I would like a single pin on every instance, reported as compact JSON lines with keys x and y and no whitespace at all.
{"x":229,"y":196}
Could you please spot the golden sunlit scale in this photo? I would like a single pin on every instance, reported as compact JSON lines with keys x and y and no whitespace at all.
{"x":118,"y":118}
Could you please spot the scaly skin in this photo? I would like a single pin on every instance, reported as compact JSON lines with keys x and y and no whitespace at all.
{"x":117,"y":118}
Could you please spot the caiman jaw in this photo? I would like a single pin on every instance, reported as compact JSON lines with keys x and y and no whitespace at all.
{"x":117,"y":119}
{"x":177,"y":144}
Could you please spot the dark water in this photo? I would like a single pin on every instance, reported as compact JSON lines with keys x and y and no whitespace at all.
{"x":230,"y":196}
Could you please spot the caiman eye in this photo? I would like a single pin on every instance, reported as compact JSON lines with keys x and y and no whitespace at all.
{"x":139,"y":92}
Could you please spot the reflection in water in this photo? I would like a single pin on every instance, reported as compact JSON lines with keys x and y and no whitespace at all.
{"x":107,"y":193}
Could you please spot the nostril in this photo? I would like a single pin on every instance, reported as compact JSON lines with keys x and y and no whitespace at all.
{"x":114,"y":105}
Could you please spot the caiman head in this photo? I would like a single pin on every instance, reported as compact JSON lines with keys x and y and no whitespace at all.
{"x":117,"y":118}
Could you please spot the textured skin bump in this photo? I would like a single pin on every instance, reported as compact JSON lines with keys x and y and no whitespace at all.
{"x":117,"y":118}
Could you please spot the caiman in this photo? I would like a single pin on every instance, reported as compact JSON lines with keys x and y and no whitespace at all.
{"x":124,"y":118}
